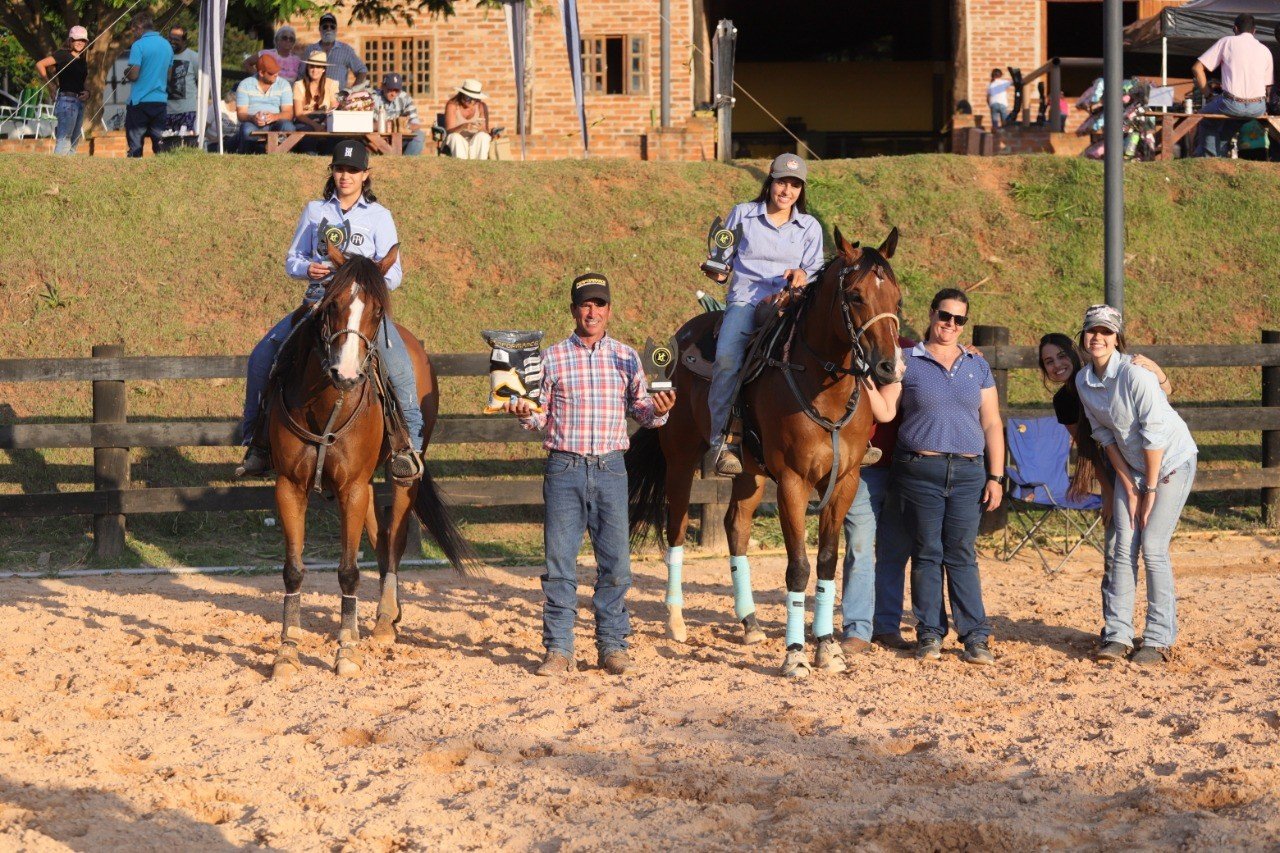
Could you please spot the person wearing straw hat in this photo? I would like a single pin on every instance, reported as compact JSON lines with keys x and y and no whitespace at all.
{"x":314,"y":94}
{"x":466,"y":122}
{"x":69,"y":74}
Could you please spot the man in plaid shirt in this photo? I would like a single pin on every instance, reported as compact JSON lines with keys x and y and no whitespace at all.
{"x":591,"y":382}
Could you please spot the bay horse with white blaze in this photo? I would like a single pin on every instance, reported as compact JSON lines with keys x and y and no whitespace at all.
{"x":328,"y":429}
{"x":809,"y":413}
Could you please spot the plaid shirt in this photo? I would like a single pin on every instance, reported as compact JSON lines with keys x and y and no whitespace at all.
{"x":588,"y":393}
{"x":401,"y":106}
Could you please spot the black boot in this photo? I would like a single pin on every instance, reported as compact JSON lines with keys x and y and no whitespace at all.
{"x":257,"y":462}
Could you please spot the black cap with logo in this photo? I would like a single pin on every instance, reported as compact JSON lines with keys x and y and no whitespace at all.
{"x":592,"y":285}
{"x":351,"y":152}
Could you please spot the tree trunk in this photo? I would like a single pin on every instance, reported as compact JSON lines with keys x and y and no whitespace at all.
{"x":960,"y":66}
{"x":100,"y":58}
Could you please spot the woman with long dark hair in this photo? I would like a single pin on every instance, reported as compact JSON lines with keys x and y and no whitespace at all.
{"x":348,"y":214}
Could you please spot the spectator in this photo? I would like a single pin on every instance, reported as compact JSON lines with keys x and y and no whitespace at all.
{"x":314,"y":95}
{"x":183,"y":76}
{"x":342,"y":56}
{"x":591,"y":383}
{"x":68,"y":78}
{"x":263,"y":102}
{"x":148,"y":71}
{"x":1247,"y":70}
{"x":998,"y":98}
{"x":1154,"y":458}
{"x":399,"y":104}
{"x":286,"y":42}
{"x":466,"y":122}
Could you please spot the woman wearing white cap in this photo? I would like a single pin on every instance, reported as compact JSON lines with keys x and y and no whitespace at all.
{"x":1154,"y":458}
{"x":69,"y":78}
{"x":466,"y":122}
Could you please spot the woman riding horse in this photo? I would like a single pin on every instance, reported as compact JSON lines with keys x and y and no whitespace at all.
{"x":350,"y":219}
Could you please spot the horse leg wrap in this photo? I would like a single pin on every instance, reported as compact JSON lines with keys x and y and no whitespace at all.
{"x":743,"y":604}
{"x":675,"y":582}
{"x":350,"y":627}
{"x":823,"y":609}
{"x":291,"y":623}
{"x":795,"y":619}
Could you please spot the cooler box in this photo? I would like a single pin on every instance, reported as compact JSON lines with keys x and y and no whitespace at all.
{"x":349,"y":121}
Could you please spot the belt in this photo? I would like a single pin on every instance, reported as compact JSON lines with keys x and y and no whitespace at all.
{"x":72,"y":95}
{"x":929,"y":454}
{"x":597,"y":459}
{"x":1243,"y":100}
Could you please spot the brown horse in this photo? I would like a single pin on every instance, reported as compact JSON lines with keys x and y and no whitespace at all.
{"x":808,"y":406}
{"x":327,"y":429}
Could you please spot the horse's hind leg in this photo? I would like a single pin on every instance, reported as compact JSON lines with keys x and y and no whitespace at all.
{"x":291,"y":503}
{"x":353,"y":508}
{"x":748,"y":490}
{"x":391,"y":546}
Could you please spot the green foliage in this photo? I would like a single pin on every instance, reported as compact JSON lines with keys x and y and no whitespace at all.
{"x":15,"y":63}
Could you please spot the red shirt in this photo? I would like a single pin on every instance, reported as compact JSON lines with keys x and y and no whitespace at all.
{"x":885,"y":436}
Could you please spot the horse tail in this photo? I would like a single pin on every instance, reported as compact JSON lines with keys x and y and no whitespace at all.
{"x":435,"y":515}
{"x":646,"y":485}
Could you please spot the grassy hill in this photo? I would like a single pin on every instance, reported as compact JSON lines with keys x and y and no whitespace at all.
{"x":184,"y":255}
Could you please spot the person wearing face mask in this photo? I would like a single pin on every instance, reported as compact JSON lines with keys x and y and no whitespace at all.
{"x":342,"y":57}
{"x":286,"y":41}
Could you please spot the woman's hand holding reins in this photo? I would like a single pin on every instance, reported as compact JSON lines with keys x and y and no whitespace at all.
{"x":796,"y":279}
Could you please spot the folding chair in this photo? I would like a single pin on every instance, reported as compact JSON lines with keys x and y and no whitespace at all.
{"x":1039,"y":449}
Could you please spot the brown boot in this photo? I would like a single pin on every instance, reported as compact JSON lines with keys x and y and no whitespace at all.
{"x":555,"y":664}
{"x":257,"y":463}
{"x":728,"y":460}
{"x":615,"y":662}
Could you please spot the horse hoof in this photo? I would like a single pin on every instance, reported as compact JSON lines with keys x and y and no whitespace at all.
{"x":345,"y":664}
{"x":830,"y":657}
{"x":752,"y":633}
{"x":675,"y":624}
{"x":285,"y":667}
{"x":795,"y":664}
{"x":384,"y":632}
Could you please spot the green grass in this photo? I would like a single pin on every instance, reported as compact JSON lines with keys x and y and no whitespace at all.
{"x":184,"y":255}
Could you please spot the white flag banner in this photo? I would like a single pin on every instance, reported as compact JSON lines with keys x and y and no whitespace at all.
{"x":213,"y":20}
{"x":573,"y":41}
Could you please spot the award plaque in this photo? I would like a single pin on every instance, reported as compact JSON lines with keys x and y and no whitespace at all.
{"x":515,"y":368}
{"x":659,"y":360}
{"x":721,"y":244}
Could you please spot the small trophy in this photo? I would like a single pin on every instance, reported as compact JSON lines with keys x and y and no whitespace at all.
{"x":659,"y":360}
{"x":721,"y":243}
{"x":515,"y":368}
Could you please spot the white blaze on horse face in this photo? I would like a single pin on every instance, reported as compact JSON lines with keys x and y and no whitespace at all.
{"x":349,"y":355}
{"x":899,"y":363}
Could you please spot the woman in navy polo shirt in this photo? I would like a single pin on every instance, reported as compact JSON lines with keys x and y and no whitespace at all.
{"x":948,"y":467}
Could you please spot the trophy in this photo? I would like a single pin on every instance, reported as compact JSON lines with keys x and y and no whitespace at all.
{"x":659,"y":361}
{"x":721,"y":243}
{"x":515,"y":368}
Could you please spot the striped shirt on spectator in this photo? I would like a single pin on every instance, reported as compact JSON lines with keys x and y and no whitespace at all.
{"x":587,"y":394}
{"x":342,"y":58}
{"x":401,"y":106}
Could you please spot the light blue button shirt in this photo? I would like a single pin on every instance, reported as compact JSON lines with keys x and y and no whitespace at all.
{"x":373,"y":233}
{"x":1127,"y":408}
{"x":767,"y":251}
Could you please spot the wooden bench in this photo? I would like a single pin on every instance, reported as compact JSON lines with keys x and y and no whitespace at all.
{"x":1175,"y":126}
{"x":280,"y":142}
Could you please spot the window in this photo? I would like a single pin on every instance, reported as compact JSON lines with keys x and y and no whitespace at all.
{"x":409,"y":56}
{"x":615,"y":65}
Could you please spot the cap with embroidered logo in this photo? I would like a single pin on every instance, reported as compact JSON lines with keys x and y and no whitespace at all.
{"x":351,"y":152}
{"x":788,"y":166}
{"x":592,"y":285}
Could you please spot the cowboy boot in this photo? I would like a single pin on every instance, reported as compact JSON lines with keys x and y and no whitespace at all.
{"x":256,"y":463}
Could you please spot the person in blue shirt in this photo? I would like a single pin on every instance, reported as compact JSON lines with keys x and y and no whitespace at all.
{"x":349,"y":204}
{"x":263,"y":102}
{"x":149,"y":59}
{"x":1154,"y":459}
{"x":781,"y":247}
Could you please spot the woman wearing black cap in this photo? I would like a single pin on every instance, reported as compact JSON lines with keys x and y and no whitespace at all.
{"x":348,"y":205}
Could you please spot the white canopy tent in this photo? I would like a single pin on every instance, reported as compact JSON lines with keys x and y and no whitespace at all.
{"x":213,"y":20}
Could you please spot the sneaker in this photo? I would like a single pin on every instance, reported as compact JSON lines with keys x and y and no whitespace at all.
{"x":1150,"y":655}
{"x":929,"y":648}
{"x":555,"y":664}
{"x":406,"y":465}
{"x":977,"y":653}
{"x":257,"y":462}
{"x":1111,"y":652}
{"x":615,"y":662}
{"x":893,"y":641}
{"x":728,"y":462}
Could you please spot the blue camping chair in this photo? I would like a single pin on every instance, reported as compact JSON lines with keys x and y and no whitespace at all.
{"x":1039,"y":451}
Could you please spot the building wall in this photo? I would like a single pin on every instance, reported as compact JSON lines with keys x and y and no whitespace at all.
{"x":473,"y":43}
{"x":999,"y":34}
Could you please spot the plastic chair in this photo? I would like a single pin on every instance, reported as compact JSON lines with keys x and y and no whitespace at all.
{"x":1039,"y":450}
{"x":438,"y":136}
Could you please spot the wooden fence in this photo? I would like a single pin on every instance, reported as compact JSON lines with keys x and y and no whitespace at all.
{"x":111,"y":435}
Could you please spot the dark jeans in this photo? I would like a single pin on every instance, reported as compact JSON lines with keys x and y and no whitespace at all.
{"x":586,"y":493}
{"x":248,"y":143}
{"x":144,"y":120}
{"x":941,"y":511}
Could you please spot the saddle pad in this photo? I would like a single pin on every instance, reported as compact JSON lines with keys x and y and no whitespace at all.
{"x":695,"y":341}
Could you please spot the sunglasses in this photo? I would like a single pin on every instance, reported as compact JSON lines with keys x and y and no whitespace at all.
{"x":287,"y":38}
{"x":948,"y":317}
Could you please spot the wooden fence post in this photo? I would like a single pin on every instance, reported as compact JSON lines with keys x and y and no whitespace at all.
{"x":986,"y":337}
{"x":711,"y":526}
{"x":110,"y":464}
{"x":1271,"y":438}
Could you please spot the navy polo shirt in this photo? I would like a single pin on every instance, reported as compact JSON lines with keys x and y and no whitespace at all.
{"x":940,"y":407}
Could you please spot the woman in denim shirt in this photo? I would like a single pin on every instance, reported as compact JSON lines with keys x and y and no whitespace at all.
{"x":1154,"y":459}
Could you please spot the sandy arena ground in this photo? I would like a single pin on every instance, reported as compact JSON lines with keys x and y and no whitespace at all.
{"x":135,"y":713}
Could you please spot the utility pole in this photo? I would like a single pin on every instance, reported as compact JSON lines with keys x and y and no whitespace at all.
{"x":722,"y":51}
{"x":1113,"y":163}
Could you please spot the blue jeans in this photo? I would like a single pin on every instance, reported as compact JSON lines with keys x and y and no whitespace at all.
{"x":394,"y":356}
{"x":999,"y":115}
{"x":941,"y":507}
{"x":143,"y":120}
{"x":414,"y":143}
{"x":69,"y":112}
{"x":735,"y":334}
{"x":1120,"y":580}
{"x":876,"y":551}
{"x":247,"y":143}
{"x":1216,"y":133}
{"x":585,"y":493}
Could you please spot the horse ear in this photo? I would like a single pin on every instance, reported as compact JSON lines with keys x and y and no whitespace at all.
{"x":890,"y":243}
{"x":335,"y":255}
{"x":843,"y":246}
{"x":389,"y":260}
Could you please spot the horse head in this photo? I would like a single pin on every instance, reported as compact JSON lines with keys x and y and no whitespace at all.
{"x":873,"y":299}
{"x":356,"y":300}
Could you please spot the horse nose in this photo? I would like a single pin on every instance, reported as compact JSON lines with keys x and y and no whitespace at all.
{"x":342,"y":383}
{"x":884,"y":370}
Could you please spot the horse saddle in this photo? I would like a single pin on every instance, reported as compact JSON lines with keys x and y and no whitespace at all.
{"x":695,"y":341}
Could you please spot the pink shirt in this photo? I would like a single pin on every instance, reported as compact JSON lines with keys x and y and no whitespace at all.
{"x":1246,"y":65}
{"x":289,"y":65}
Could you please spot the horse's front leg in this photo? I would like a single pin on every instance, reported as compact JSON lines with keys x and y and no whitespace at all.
{"x":793,"y":501}
{"x":830,"y":655}
{"x":354,"y":503}
{"x":291,"y":504}
{"x":748,"y":490}
{"x":391,"y":546}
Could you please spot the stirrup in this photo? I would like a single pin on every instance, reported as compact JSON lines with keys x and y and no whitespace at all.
{"x":728,"y":460}
{"x":406,"y":466}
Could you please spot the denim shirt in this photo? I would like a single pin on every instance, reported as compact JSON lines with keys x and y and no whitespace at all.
{"x":1127,"y":408}
{"x":372,"y":234}
{"x":767,"y":251}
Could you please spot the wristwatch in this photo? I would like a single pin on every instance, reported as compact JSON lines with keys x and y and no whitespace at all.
{"x":996,"y":478}
{"x":1147,"y":490}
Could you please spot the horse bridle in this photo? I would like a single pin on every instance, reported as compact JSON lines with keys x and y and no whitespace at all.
{"x":327,"y":338}
{"x":860,"y":366}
